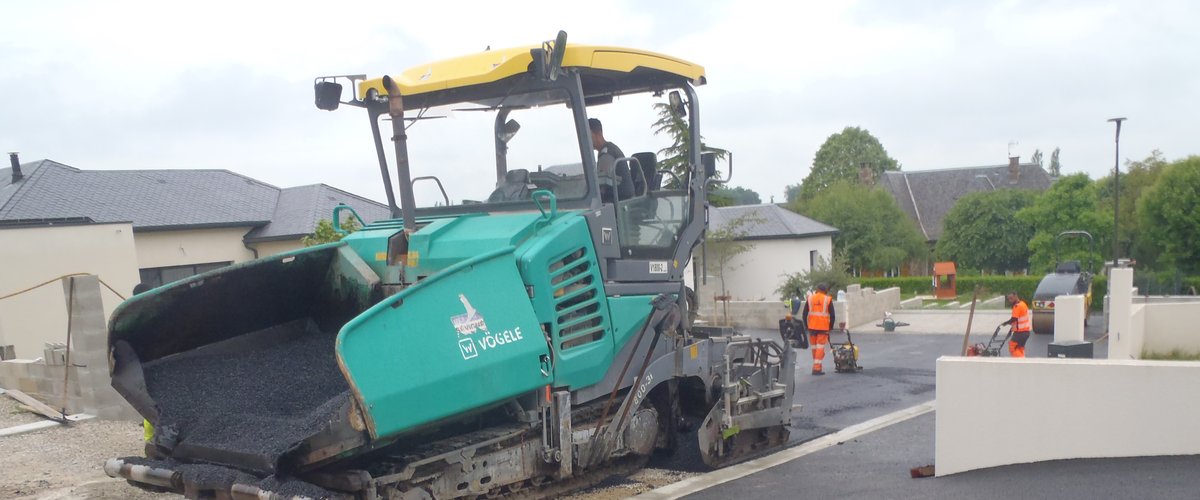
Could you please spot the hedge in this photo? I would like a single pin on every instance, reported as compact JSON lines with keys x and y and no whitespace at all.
{"x":990,"y":286}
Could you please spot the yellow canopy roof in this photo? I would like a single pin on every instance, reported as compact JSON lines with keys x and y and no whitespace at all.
{"x":494,"y":65}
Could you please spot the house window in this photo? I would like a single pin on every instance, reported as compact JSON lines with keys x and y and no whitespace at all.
{"x":158,"y":276}
{"x":812,"y":260}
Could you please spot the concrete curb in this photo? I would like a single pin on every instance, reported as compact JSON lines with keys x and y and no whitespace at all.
{"x":705,"y":481}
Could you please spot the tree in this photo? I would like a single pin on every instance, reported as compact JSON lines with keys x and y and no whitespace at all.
{"x":725,"y":243}
{"x":1069,"y":205}
{"x":873,"y":232}
{"x":723,"y":196}
{"x":675,"y":156}
{"x":1037,"y":157}
{"x":324,"y":232}
{"x":832,"y":272}
{"x":1055,"y":166}
{"x":840,"y":158}
{"x":1170,"y":215}
{"x":983,"y":232}
{"x":1137,"y":178}
{"x":792,"y":193}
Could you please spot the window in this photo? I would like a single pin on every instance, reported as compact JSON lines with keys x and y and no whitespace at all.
{"x":155,"y":277}
{"x":812,"y":260}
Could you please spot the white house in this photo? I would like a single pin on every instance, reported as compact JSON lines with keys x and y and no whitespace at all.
{"x":782,"y":242}
{"x":131,"y":226}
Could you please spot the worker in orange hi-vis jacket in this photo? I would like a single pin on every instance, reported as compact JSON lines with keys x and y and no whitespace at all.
{"x":1023,"y":317}
{"x":818,"y":317}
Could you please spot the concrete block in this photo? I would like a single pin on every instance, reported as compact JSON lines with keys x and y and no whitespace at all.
{"x":1068,"y":318}
{"x":27,"y":385}
{"x":121,"y":411}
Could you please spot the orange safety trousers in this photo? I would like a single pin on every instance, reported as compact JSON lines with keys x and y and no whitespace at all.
{"x":817,"y":342}
{"x":1016,"y":350}
{"x":1016,"y":345}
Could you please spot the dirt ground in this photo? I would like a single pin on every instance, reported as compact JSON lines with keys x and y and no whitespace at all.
{"x":67,"y":463}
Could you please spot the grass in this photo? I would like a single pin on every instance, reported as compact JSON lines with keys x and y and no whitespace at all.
{"x":1174,"y":355}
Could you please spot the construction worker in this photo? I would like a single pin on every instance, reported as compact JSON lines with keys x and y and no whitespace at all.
{"x":818,"y":316}
{"x":1023,"y":317}
{"x":794,"y":332}
{"x":615,"y":178}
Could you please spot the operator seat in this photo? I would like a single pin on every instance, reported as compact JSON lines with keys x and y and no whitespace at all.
{"x":650,"y":179}
{"x":514,"y":186}
{"x":1068,"y":267}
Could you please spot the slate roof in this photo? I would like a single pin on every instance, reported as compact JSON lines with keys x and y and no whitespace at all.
{"x":776,"y":222}
{"x":928,"y":195}
{"x":299,"y":209}
{"x":172,"y":199}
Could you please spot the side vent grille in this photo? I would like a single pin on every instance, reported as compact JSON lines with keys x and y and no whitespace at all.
{"x":576,"y":300}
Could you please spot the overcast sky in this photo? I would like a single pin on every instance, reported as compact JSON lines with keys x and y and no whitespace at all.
{"x":942,"y":84}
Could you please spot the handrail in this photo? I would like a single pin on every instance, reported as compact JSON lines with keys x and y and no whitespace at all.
{"x":337,"y":218}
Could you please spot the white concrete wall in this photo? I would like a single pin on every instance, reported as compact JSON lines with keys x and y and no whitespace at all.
{"x":1172,"y":326}
{"x":755,"y":274}
{"x":266,"y":248}
{"x":866,"y":305}
{"x":192,"y":246}
{"x":31,"y":255}
{"x":1120,"y":315}
{"x":1000,"y":411}
{"x":1068,"y":318}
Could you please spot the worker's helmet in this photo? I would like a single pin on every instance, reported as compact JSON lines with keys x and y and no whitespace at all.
{"x":822,"y":287}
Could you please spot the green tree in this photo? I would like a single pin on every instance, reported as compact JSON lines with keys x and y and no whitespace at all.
{"x":982,"y":231}
{"x":1170,"y":215}
{"x":1069,"y":205}
{"x":675,"y":156}
{"x":324,"y":232}
{"x":1055,"y":166}
{"x":833,"y":272}
{"x":725,"y":243}
{"x":791,"y":193}
{"x":873,"y":233}
{"x":722,"y":196}
{"x":1137,"y":178}
{"x":841,"y":157}
{"x":1036,"y":158}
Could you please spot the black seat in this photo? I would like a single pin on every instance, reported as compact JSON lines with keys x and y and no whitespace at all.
{"x":515,"y":186}
{"x":650,"y":176}
{"x":1068,"y":267}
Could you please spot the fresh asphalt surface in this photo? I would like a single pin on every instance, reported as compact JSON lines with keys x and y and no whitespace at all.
{"x":899,"y":373}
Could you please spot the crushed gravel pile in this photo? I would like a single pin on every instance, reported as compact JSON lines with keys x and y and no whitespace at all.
{"x":260,"y":401}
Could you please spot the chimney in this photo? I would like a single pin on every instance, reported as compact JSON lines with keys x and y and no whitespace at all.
{"x":16,"y":167}
{"x":1014,"y":169}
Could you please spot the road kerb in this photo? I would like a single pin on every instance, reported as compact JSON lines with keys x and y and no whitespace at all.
{"x":705,"y":481}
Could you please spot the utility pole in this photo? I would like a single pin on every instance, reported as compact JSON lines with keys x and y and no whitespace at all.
{"x":1117,"y":191}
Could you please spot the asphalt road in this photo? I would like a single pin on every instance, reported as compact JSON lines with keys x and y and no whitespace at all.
{"x":899,"y":373}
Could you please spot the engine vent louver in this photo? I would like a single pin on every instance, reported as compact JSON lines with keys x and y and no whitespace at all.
{"x":576,"y":300}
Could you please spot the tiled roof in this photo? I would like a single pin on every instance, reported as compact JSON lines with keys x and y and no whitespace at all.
{"x":928,"y":195}
{"x":300,"y":208}
{"x":773,"y":222}
{"x":172,"y":199}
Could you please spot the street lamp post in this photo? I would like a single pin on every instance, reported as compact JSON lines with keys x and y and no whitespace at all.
{"x":1117,"y":190}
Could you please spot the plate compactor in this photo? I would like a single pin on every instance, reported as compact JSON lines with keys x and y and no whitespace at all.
{"x":845,"y":355}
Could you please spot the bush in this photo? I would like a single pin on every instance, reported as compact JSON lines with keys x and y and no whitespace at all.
{"x":990,"y":286}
